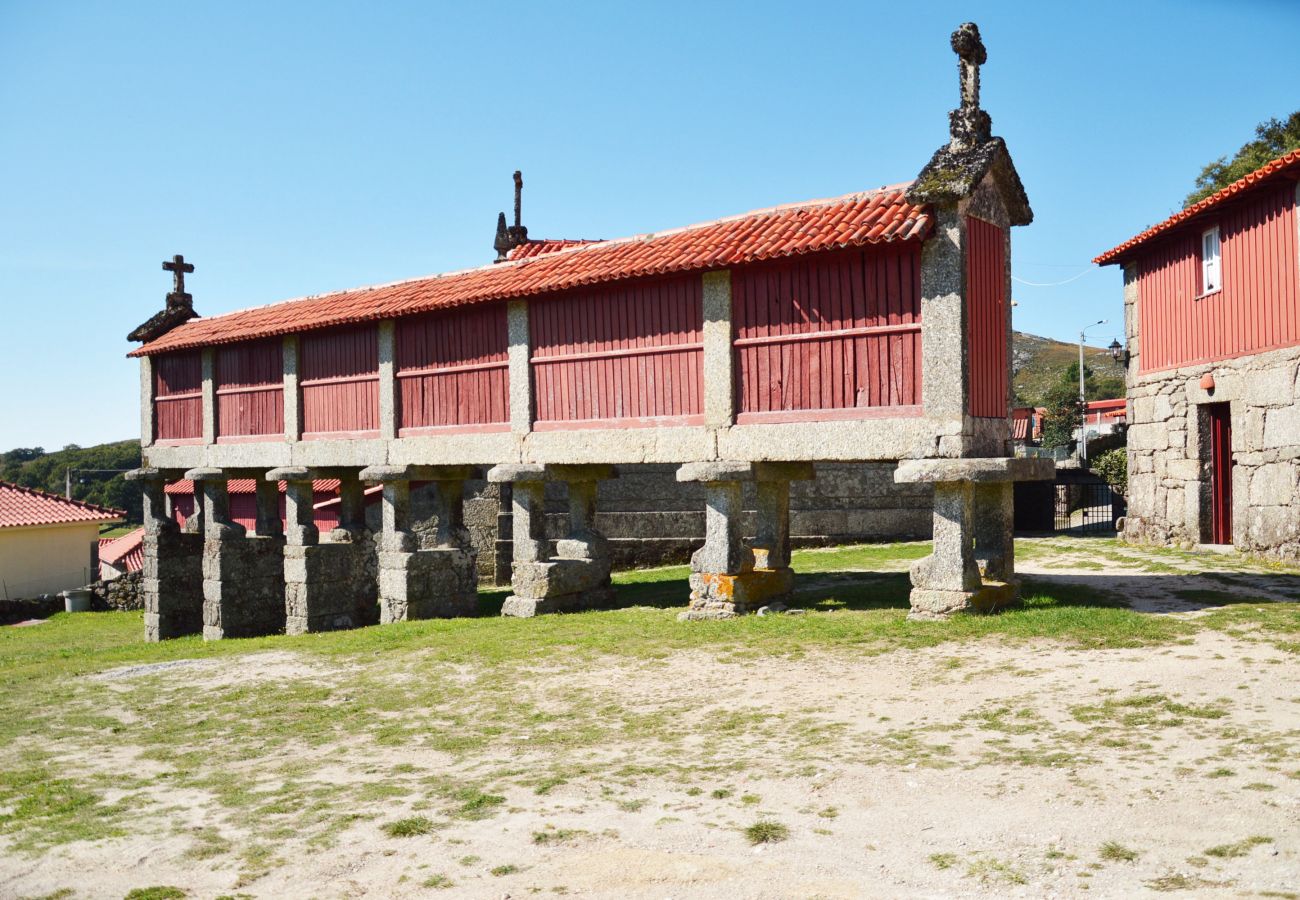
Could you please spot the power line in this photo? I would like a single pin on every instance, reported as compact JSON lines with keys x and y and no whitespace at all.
{"x":1052,"y":283}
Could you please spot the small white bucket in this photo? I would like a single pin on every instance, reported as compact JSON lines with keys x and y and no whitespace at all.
{"x":77,"y":601}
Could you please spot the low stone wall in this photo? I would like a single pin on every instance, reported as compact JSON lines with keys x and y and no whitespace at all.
{"x":122,"y":593}
{"x":20,"y":610}
{"x":1169,"y":454}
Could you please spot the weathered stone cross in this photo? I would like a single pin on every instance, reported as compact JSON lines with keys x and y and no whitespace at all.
{"x":971,"y":55}
{"x":178,"y":267}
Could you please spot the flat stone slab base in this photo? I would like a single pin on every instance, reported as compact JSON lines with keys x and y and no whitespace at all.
{"x":527,"y":607}
{"x":930,"y":605}
{"x":715,"y":595}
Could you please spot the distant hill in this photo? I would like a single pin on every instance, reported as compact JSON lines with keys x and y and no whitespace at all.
{"x":1038,"y":362}
{"x":33,"y":467}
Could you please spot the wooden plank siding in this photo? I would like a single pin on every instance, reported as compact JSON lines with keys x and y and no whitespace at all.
{"x":829,"y":336}
{"x":1258,"y":307}
{"x":986,"y":318}
{"x":178,"y":397}
{"x":339,"y":382}
{"x":250,"y":391}
{"x":452,"y":371}
{"x":619,"y":355}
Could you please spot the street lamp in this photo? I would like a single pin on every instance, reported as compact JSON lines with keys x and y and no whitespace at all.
{"x":1083,"y":397}
{"x":1116,"y":351}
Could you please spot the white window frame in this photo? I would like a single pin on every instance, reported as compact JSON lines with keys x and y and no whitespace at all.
{"x":1211,"y":263}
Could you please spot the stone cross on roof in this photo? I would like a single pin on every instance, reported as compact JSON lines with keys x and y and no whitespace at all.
{"x":178,"y":267}
{"x":971,"y":55}
{"x":970,"y":126}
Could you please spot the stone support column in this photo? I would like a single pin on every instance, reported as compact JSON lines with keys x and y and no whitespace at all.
{"x":994,"y":523}
{"x":269,"y":523}
{"x":327,"y":586}
{"x":729,"y":577}
{"x":243,"y":576}
{"x":172,"y":578}
{"x":432,"y":582}
{"x":208,"y":362}
{"x":146,"y":402}
{"x":973,"y":516}
{"x":577,"y":577}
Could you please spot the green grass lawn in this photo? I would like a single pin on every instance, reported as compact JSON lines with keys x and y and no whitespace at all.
{"x":461,"y":687}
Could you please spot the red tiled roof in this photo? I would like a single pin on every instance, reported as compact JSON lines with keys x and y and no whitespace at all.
{"x":1287,"y":163}
{"x":125,"y":553}
{"x":249,"y":486}
{"x":873,"y":217}
{"x":20,"y":506}
{"x":542,"y":246}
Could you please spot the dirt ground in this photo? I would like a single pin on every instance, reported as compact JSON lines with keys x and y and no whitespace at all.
{"x":975,"y":769}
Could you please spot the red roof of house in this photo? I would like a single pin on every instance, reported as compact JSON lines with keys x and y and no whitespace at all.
{"x":1099,"y":405}
{"x":542,"y":246}
{"x":1284,"y":165}
{"x":125,"y":552}
{"x":21,"y":506}
{"x":873,"y":217}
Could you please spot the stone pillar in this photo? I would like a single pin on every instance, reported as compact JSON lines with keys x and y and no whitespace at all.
{"x":973,"y":520}
{"x":243,"y":576}
{"x":292,"y":399}
{"x":504,"y":545}
{"x":994,"y":515}
{"x":326,"y":586}
{"x":719,"y":355}
{"x":146,"y":402}
{"x":388,"y":407}
{"x":172,"y":578}
{"x":208,"y":362}
{"x":577,"y":577}
{"x":728,"y":577}
{"x":521,"y":377}
{"x":269,"y":523}
{"x":432,"y":582}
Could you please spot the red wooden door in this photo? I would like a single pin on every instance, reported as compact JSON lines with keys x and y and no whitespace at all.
{"x":1220,"y":473}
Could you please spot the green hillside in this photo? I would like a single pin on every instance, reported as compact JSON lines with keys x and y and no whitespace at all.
{"x":1039,"y":362}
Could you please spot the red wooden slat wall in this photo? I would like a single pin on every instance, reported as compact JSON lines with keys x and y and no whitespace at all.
{"x":829,"y":332}
{"x":986,"y":318}
{"x":339,"y":381}
{"x":452,"y":369}
{"x":627,"y":353}
{"x":1259,"y":306}
{"x":178,"y":396}
{"x":250,"y":389}
{"x":243,"y":510}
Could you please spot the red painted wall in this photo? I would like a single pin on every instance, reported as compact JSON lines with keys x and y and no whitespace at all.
{"x":452,"y":370}
{"x":830,"y":332}
{"x":622,"y":354}
{"x":178,"y":396}
{"x":339,"y":380}
{"x":250,"y":390}
{"x":986,"y":318}
{"x":1259,"y":306}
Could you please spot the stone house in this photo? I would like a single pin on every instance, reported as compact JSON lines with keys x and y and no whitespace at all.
{"x":1212,"y":317}
{"x":47,"y":543}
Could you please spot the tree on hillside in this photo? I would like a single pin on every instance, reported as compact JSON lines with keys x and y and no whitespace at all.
{"x":96,"y":473}
{"x":1272,"y":139}
{"x":1062,"y":402}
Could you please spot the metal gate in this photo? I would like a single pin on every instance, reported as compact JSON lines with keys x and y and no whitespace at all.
{"x":1083,"y":509}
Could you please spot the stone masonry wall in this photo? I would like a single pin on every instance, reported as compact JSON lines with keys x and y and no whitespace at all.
{"x":1169,"y":455}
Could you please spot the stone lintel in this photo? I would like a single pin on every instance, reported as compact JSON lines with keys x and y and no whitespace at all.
{"x":535,"y":472}
{"x":980,"y":469}
{"x":386,"y":474}
{"x":145,"y":473}
{"x":736,"y":470}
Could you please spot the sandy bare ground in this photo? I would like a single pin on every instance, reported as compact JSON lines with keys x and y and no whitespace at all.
{"x":972,"y":769}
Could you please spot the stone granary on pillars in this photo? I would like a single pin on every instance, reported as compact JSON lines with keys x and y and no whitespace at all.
{"x":1212,"y":320}
{"x":868,"y":327}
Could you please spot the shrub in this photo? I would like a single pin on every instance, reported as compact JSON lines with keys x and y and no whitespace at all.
{"x":1113,"y":467}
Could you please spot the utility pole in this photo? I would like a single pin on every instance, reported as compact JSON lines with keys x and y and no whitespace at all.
{"x":1083,"y":398}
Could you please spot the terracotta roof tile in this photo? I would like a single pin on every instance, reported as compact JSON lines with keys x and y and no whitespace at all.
{"x":1287,"y":163}
{"x":125,"y":553}
{"x":249,"y":486}
{"x":878,"y":216}
{"x":542,"y":246}
{"x":20,"y":507}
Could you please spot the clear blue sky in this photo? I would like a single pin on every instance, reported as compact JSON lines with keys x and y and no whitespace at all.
{"x":289,"y":149}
